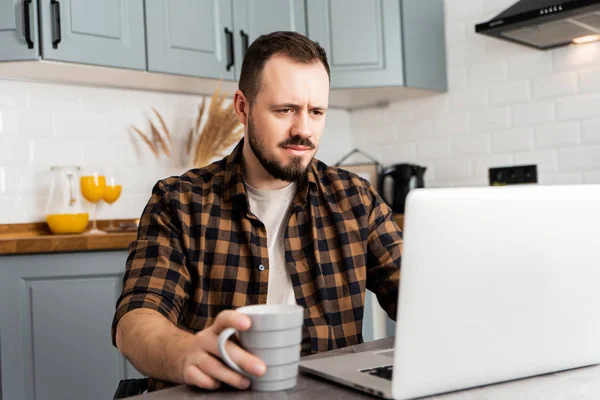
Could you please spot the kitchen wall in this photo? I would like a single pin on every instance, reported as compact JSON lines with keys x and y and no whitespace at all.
{"x":506,"y":105}
{"x":49,"y":124}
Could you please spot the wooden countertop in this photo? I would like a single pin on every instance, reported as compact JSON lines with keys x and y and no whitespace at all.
{"x":37,"y":238}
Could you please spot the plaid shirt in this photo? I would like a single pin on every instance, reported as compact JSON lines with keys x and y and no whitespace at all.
{"x":200,"y":250}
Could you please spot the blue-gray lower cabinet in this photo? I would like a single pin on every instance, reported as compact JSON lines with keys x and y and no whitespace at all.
{"x":18,"y":30}
{"x":55,"y":318}
{"x":107,"y":32}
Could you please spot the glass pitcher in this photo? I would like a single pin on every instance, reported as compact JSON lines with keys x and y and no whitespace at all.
{"x":64,"y":210}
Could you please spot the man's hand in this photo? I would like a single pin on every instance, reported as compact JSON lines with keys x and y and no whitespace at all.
{"x":202,"y":366}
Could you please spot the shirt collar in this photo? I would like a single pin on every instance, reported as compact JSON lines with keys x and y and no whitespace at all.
{"x":234,"y":178}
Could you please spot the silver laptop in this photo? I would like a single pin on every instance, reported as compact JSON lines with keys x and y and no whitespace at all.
{"x":497,"y":283}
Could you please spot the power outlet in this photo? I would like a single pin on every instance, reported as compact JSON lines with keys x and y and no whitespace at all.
{"x":513,"y":175}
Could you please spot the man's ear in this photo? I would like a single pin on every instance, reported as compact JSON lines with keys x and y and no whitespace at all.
{"x":242,"y":106}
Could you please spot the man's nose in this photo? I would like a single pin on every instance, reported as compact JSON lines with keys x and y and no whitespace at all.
{"x":301,"y":126}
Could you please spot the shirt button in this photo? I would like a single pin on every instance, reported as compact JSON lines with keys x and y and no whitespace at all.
{"x":261,"y":267}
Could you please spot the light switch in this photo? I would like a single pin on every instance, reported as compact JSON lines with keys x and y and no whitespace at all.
{"x":1,"y":124}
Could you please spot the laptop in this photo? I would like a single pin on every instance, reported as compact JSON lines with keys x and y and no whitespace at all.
{"x":497,"y":283}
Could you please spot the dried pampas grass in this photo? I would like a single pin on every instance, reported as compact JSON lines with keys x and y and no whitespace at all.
{"x":221,"y":131}
{"x":156,"y":141}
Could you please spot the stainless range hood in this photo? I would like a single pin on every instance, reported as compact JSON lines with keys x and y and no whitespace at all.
{"x":546,"y":24}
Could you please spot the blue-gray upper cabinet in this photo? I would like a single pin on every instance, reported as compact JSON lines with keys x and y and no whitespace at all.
{"x":107,"y":32}
{"x":253,"y":18}
{"x":379,"y":43}
{"x":191,"y":37}
{"x":18,"y":30}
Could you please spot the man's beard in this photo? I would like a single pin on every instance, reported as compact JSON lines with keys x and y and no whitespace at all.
{"x":294,"y":172}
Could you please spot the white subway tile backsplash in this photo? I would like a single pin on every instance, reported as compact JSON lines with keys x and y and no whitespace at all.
{"x":46,"y":96}
{"x":578,"y":107}
{"x":14,"y":151}
{"x":489,"y":120}
{"x":553,"y":86}
{"x":469,"y":99}
{"x":466,"y":54}
{"x":451,"y":123}
{"x":589,"y":80}
{"x":433,"y":150}
{"x":591,"y":131}
{"x":13,"y":94}
{"x":487,"y":73}
{"x":457,"y":78}
{"x":27,"y":122}
{"x":482,"y":165}
{"x":510,"y":93}
{"x":459,"y":10}
{"x":557,"y":135}
{"x":415,"y":131}
{"x":572,"y":57}
{"x":398,"y":153}
{"x":579,"y":159}
{"x":472,"y":145}
{"x":529,"y":114}
{"x":455,"y":33}
{"x":546,"y":160}
{"x":532,"y":64}
{"x":82,"y":125}
{"x":47,"y":152}
{"x":512,"y":140}
{"x":452,"y":170}
{"x":561,"y":179}
{"x":7,"y":206}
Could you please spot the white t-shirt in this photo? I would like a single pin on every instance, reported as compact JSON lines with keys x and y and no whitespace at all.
{"x":272,"y":208}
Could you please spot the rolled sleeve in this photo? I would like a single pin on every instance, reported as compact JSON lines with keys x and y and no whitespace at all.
{"x":156,"y":276}
{"x":384,"y":254}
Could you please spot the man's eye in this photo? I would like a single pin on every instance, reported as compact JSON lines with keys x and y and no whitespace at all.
{"x":285,"y":110}
{"x":317,"y":112}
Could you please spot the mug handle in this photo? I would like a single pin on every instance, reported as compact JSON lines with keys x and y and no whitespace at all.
{"x":221,"y":340}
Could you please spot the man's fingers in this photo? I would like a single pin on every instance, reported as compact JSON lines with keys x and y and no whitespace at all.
{"x":246,"y":361}
{"x":193,"y":376}
{"x":217,"y":370}
{"x":230,"y":319}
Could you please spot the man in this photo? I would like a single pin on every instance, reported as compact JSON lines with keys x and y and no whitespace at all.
{"x":267,"y":224}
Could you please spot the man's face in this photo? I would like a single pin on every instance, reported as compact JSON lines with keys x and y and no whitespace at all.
{"x":288,"y":116}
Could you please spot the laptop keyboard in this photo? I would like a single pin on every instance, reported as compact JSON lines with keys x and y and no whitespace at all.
{"x":382,"y":372}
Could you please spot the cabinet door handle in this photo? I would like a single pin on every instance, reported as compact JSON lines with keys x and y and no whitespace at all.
{"x":230,"y":56}
{"x":27,"y":17}
{"x":56,"y":34}
{"x":245,"y":41}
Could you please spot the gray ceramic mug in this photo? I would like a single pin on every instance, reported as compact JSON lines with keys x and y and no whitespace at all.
{"x":274,"y":337}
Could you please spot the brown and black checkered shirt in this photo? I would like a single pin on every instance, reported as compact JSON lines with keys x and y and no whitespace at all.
{"x":200,"y":250}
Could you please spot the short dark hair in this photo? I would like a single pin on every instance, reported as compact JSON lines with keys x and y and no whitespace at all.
{"x":291,"y":44}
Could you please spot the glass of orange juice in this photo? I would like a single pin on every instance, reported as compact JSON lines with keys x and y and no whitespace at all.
{"x":112,"y":192}
{"x":93,"y":185}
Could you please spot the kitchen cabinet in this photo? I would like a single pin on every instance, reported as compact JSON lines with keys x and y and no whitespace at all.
{"x":252,"y":18}
{"x":208,"y":38}
{"x":108,"y":32}
{"x":18,"y":30}
{"x":379,"y":51}
{"x":381,"y":43}
{"x":56,"y":312}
